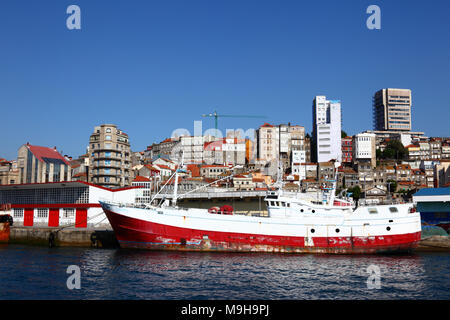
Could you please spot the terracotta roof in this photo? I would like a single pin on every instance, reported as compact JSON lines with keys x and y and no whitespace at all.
{"x":152,"y":168}
{"x":81,"y":174}
{"x":163,"y":166}
{"x":265,"y":125}
{"x":214,"y":166}
{"x":44,"y":152}
{"x":141,"y":179}
{"x":194,"y":169}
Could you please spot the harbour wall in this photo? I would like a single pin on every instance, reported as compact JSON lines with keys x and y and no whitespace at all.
{"x":67,"y":237}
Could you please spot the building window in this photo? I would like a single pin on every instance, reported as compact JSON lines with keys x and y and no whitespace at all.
{"x":18,"y":213}
{"x":42,"y":213}
{"x":68,"y":213}
{"x":107,"y":137}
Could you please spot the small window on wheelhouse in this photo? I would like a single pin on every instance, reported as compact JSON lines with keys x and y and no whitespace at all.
{"x":393,"y":209}
{"x":372,"y":210}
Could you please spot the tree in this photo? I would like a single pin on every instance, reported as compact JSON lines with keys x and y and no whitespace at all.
{"x":356,"y":192}
{"x":343,"y":134}
{"x":392,"y":185}
{"x":394,"y":150}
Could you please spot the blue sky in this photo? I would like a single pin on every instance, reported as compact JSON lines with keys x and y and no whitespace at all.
{"x":154,"y":66}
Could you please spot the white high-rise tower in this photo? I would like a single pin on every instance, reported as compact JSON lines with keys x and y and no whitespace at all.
{"x":326,"y":130}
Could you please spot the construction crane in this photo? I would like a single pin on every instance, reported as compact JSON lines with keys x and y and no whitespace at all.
{"x":216,"y":116}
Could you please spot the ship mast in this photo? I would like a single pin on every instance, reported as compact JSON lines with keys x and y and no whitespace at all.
{"x":175,"y":189}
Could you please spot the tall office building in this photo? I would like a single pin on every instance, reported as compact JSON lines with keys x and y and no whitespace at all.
{"x":392,"y":110}
{"x":326,"y":142}
{"x":109,"y":157}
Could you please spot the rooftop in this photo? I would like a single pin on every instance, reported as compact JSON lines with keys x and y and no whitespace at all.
{"x":45,"y":154}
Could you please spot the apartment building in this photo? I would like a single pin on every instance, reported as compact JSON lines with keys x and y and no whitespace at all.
{"x":109,"y":157}
{"x":267,"y":136}
{"x":9,"y":174}
{"x":226,"y":151}
{"x":278,"y":142}
{"x":392,"y":110}
{"x":364,"y":148}
{"x":326,"y":144}
{"x":193,"y":149}
{"x":347,"y":150}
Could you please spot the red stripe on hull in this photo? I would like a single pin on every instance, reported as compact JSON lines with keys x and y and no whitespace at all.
{"x":135,"y":233}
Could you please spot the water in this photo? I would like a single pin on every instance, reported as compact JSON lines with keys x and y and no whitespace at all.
{"x":28,"y":272}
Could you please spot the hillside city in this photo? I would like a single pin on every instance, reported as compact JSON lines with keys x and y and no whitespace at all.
{"x":389,"y":162}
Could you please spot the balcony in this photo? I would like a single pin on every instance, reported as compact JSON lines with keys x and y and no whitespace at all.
{"x":104,"y":165}
{"x":103,"y":156}
{"x":100,"y":173}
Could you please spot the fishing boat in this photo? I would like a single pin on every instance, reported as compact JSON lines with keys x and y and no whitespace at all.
{"x":294,"y":224}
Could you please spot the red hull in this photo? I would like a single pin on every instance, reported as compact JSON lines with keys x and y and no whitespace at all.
{"x":4,"y":232}
{"x":135,"y":233}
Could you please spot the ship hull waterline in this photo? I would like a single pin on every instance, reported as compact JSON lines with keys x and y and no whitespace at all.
{"x":141,"y":234}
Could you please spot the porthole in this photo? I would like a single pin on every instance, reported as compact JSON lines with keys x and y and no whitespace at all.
{"x":337,"y":230}
{"x":312,"y":230}
{"x":313,"y":211}
{"x":301,"y":210}
{"x":388,"y":228}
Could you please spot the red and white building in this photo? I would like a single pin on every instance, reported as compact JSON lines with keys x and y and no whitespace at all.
{"x":61,"y":204}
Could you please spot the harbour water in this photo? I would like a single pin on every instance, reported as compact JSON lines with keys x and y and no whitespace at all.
{"x":31,"y":272}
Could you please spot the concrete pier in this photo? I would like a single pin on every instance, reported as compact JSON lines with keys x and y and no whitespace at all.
{"x":72,"y":237}
{"x":434,"y":243}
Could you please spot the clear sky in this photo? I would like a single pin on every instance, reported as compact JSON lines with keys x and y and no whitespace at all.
{"x":154,"y":66}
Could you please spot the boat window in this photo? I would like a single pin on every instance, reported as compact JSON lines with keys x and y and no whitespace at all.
{"x":278,"y":204}
{"x":372,"y":210}
{"x":393,"y":209}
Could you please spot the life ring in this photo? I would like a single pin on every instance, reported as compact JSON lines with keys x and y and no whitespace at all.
{"x":226,"y":209}
{"x":214,"y":210}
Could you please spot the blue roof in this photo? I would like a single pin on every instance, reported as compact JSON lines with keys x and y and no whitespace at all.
{"x":433,"y":192}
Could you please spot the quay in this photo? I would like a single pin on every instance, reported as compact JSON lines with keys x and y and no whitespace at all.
{"x":52,"y":237}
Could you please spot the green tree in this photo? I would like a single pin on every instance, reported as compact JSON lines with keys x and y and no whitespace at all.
{"x":394,"y":150}
{"x":356,"y":192}
{"x":343,"y":134}
{"x":392,"y":185}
